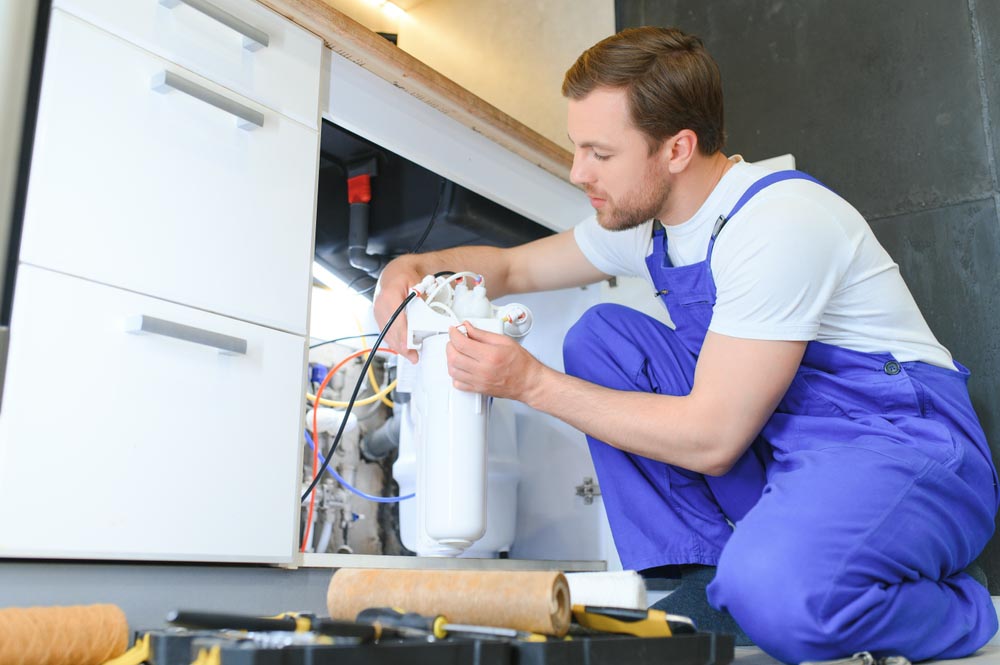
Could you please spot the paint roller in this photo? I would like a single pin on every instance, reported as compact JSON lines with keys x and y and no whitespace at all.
{"x":529,"y":601}
{"x":75,"y":635}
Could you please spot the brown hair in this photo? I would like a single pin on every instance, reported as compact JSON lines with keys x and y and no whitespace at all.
{"x":671,"y":81}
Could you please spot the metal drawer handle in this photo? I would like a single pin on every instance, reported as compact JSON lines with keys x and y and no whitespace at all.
{"x":254,"y":39}
{"x":246,"y":117}
{"x":141,"y":323}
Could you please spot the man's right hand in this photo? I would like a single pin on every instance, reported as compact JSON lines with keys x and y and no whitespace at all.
{"x":393,"y":286}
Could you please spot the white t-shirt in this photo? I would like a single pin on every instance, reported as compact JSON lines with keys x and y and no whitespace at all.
{"x":797,"y":262}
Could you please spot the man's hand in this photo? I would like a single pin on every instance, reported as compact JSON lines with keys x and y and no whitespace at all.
{"x":484,"y":362}
{"x":393,"y":286}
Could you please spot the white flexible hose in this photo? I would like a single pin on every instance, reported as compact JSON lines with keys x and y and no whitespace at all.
{"x":324,"y":537}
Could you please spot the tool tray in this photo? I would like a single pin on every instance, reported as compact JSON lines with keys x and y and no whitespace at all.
{"x":690,"y":649}
{"x":182,"y":647}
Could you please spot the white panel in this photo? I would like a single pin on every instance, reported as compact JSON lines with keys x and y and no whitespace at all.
{"x":552,"y":522}
{"x":637,"y":293}
{"x":373,"y":108}
{"x":139,"y":446}
{"x":778,"y":163}
{"x":283,"y":76}
{"x":163,"y":193}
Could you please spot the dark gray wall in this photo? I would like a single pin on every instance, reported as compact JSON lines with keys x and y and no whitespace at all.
{"x":894,"y":104}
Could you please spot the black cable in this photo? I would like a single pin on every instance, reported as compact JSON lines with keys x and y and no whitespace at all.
{"x":354,"y":395}
{"x":430,"y":224}
{"x":341,"y":339}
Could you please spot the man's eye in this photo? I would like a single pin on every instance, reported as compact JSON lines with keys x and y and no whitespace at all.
{"x":599,"y":157}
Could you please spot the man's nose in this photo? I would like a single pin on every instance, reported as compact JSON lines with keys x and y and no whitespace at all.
{"x":579,"y":174}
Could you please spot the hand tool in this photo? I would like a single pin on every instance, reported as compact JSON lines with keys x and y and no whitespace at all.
{"x":641,"y":623}
{"x":360,"y":632}
{"x":438,"y":626}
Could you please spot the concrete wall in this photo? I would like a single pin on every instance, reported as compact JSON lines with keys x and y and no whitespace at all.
{"x":895,"y":105}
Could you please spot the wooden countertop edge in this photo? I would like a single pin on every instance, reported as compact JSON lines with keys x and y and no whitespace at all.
{"x":362,"y":46}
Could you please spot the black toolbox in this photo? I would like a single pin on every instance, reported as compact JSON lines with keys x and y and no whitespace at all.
{"x":184,"y":647}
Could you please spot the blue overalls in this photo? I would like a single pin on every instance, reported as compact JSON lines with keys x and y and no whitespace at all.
{"x":846,"y":525}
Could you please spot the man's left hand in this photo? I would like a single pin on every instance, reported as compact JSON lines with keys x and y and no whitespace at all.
{"x":492,"y":364}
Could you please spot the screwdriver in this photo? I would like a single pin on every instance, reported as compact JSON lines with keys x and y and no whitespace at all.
{"x":438,"y":626}
{"x":361,"y":633}
{"x":641,"y":623}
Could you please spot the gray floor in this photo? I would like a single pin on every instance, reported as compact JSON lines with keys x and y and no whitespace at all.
{"x":989,"y":655}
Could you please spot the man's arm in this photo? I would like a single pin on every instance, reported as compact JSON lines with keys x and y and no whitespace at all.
{"x":553,"y":262}
{"x":737,"y":385}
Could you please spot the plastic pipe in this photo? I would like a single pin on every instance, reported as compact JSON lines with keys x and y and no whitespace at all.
{"x":324,"y":537}
{"x":349,"y":487}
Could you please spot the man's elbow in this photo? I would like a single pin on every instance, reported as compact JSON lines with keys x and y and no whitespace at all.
{"x":719,"y":468}
{"x":723,"y":454}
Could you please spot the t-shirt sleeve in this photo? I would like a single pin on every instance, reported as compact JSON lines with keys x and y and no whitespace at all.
{"x":776,"y":266}
{"x":618,"y":253}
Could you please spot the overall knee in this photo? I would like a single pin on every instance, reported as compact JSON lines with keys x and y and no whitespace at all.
{"x":777,"y":600}
{"x":590,"y":337}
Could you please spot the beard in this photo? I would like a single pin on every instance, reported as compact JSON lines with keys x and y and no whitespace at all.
{"x":640,"y":206}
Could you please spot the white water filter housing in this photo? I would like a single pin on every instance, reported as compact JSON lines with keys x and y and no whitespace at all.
{"x":454,"y":453}
{"x":502,"y":476}
{"x":448,"y":426}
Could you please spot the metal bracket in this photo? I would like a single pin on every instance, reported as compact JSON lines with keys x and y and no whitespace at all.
{"x":588,"y":490}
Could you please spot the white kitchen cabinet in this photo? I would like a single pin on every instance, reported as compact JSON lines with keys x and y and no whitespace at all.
{"x":162,"y":192}
{"x":209,"y":37}
{"x":145,"y":445}
{"x":155,"y":381}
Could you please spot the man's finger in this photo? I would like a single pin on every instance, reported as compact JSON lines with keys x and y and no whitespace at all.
{"x":460,"y":342}
{"x":482,"y":335}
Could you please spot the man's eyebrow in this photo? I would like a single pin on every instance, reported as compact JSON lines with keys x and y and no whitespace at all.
{"x":590,"y":144}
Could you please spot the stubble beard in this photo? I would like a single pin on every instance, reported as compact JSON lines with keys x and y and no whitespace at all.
{"x":642,"y":205}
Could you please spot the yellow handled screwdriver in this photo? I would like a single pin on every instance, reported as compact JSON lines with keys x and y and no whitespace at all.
{"x":289,"y":621}
{"x":438,"y":626}
{"x":641,"y":623}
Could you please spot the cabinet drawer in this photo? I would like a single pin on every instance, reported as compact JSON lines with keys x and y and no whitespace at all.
{"x":142,"y":445}
{"x":162,"y":192}
{"x":283,"y":75}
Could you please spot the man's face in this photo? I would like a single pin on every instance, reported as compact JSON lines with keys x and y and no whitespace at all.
{"x":626,"y":185}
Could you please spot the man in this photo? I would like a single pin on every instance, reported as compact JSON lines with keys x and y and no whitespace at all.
{"x":801,"y":429}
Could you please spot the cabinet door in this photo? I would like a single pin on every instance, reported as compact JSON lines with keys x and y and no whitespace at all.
{"x":162,"y":192}
{"x":210,"y":37}
{"x":143,"y":445}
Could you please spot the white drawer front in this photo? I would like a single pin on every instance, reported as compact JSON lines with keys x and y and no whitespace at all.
{"x":141,"y":446}
{"x":284,"y":75}
{"x":163,"y":193}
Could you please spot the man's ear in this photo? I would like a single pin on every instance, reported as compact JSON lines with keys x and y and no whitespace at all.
{"x":679,"y":149}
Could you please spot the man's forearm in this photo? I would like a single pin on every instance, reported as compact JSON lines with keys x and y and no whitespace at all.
{"x":675,"y":430}
{"x":486,"y":261}
{"x":552,"y":262}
